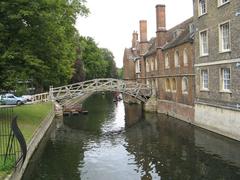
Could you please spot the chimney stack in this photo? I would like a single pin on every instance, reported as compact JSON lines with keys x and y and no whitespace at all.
{"x":134,"y":39}
{"x":143,"y":31}
{"x":160,"y":18}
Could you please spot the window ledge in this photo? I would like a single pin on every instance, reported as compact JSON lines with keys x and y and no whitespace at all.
{"x":200,"y":15}
{"x":203,"y":55}
{"x":226,"y":91}
{"x":224,"y":51}
{"x":220,"y":5}
{"x":204,"y":90}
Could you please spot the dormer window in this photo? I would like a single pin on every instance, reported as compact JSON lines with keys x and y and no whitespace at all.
{"x":202,"y":7}
{"x":222,"y":2}
{"x":175,"y":34}
{"x":191,"y":28}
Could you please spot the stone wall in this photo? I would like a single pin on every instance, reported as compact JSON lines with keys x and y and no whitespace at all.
{"x":219,"y":120}
{"x":177,"y":110}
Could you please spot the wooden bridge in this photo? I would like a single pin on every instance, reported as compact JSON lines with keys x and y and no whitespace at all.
{"x":72,"y":92}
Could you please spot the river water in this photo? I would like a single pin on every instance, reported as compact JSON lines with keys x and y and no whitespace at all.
{"x":119,"y":142}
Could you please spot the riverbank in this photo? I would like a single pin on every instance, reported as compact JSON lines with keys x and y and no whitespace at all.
{"x":29,"y":119}
{"x":223,"y":121}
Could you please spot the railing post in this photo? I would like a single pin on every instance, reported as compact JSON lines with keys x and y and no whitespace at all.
{"x":51,"y":93}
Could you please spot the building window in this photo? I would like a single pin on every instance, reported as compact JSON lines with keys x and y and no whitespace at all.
{"x":202,"y":7}
{"x":176,"y":58}
{"x":174,"y":85}
{"x":147,"y":66}
{"x":203,"y":40}
{"x":167,"y":85}
{"x":222,"y":2}
{"x":152,"y":65}
{"x":166,"y":61}
{"x":156,"y":65}
{"x":225,"y":79}
{"x":156,"y":84}
{"x":224,"y":37}
{"x":204,"y":80}
{"x":137,"y":66}
{"x":148,"y":83}
{"x":185,"y":57}
{"x":191,"y":28}
{"x":184,"y":85}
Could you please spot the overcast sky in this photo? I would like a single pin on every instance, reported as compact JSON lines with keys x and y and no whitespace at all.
{"x":112,"y":22}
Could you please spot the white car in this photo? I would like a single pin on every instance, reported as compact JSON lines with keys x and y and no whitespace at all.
{"x":10,"y":99}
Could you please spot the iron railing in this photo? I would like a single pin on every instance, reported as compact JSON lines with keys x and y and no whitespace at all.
{"x":13,"y":147}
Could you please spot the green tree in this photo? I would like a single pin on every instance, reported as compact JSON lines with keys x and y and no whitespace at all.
{"x":94,"y":64}
{"x":111,"y":70}
{"x":38,"y":41}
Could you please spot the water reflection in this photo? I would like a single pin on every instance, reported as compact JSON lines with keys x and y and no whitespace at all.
{"x":120,"y":142}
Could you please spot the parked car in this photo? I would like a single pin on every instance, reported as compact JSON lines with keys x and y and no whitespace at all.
{"x":28,"y":98}
{"x":10,"y":99}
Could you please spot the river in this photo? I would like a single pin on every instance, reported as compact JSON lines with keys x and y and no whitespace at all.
{"x":120,"y":142}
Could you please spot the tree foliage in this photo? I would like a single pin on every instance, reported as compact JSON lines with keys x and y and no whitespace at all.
{"x":38,"y":41}
{"x":96,"y":62}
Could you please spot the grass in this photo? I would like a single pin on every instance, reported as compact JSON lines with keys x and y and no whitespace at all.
{"x":29,"y":119}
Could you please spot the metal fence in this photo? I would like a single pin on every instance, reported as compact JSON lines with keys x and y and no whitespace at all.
{"x":12,"y":143}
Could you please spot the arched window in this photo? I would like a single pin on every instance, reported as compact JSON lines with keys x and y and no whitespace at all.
{"x":173,"y":85}
{"x":176,"y":58}
{"x":167,"y":85}
{"x":185,"y":57}
{"x":184,"y":85}
{"x":166,"y":61}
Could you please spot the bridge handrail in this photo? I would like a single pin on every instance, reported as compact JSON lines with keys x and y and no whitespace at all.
{"x":42,"y":97}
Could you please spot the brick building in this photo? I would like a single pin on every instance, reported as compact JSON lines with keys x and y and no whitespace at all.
{"x":217,"y":65}
{"x":172,"y":84}
{"x":194,"y":67}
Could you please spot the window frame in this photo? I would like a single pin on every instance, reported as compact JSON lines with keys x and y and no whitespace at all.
{"x":220,"y":37}
{"x":167,"y":85}
{"x":201,"y":43}
{"x":166,"y":59}
{"x":151,"y":65}
{"x":174,"y":85}
{"x":220,"y":3}
{"x":137,"y":66}
{"x":202,"y":83}
{"x":222,"y":80}
{"x":156,"y":64}
{"x":185,"y":79}
{"x":185,"y":57}
{"x":176,"y":54}
{"x":147,"y":66}
{"x":200,"y":13}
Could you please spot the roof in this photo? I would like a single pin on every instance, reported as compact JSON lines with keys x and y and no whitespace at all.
{"x":184,"y":36}
{"x":152,"y":47}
